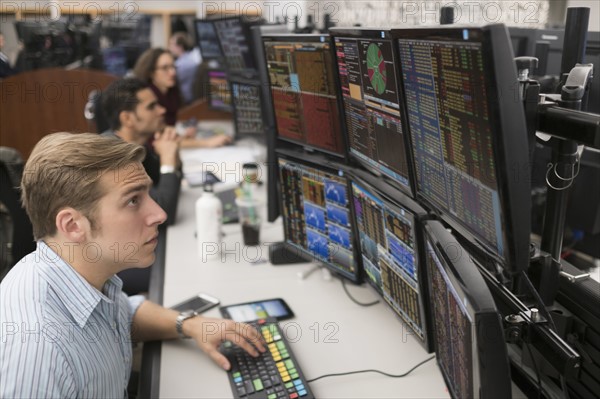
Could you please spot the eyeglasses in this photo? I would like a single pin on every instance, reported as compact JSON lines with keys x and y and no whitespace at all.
{"x":165,"y":67}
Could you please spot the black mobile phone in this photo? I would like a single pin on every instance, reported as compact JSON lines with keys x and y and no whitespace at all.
{"x":199,"y":303}
{"x":252,"y":311}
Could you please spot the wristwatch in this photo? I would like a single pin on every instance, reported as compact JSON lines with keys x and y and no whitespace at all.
{"x":183,"y":316}
{"x":167,"y":169}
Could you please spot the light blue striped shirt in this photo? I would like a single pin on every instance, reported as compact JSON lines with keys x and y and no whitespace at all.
{"x":60,"y":337}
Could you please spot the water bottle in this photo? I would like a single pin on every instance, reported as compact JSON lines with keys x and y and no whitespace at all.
{"x":209,"y":218}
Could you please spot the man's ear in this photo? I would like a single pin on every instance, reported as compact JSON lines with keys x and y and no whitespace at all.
{"x":72,"y":224}
{"x":125,"y":118}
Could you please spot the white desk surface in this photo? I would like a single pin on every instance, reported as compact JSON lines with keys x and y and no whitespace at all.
{"x":330,"y":334}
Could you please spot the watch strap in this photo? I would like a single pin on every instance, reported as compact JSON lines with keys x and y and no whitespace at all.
{"x":183,"y":316}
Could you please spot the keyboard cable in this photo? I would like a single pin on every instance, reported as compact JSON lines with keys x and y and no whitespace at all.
{"x":353,"y":299}
{"x":373,"y":371}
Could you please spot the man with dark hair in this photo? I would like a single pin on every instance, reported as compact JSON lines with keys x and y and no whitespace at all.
{"x":135,"y":116}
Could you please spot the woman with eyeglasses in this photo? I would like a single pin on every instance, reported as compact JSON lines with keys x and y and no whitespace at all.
{"x":157,"y":67}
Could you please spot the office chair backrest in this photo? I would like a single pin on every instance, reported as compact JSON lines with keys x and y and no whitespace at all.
{"x":21,"y":239}
{"x":94,"y":113}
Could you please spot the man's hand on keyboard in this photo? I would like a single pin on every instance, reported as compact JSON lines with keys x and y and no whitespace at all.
{"x":209,"y":333}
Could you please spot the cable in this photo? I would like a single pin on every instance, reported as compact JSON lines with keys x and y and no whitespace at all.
{"x":542,"y":307}
{"x":537,"y":371}
{"x":354,"y":300}
{"x":373,"y":371}
{"x":539,"y":300}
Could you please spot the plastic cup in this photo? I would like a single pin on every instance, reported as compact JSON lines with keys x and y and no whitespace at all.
{"x":250,"y":219}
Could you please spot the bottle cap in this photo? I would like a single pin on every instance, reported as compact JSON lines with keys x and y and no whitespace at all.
{"x":250,"y":172}
{"x":208,"y":187}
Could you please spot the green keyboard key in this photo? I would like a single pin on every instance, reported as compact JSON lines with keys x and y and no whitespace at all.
{"x":258,"y":385}
{"x":289,"y":364}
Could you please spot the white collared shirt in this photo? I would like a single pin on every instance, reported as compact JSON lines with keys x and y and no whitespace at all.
{"x":60,"y":336}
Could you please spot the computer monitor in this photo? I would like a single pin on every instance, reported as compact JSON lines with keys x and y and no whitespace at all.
{"x":206,"y":39}
{"x":303,"y":91}
{"x":317,"y":212}
{"x":467,"y":328}
{"x":247,"y":107}
{"x":468,"y":135}
{"x":388,"y":225}
{"x":372,"y":116}
{"x":114,"y":60}
{"x":234,"y":34}
{"x":592,"y":56}
{"x":219,"y":92}
{"x":256,"y":39}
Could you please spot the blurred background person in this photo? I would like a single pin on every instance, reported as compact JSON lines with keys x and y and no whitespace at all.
{"x":6,"y":69}
{"x":187,"y":61}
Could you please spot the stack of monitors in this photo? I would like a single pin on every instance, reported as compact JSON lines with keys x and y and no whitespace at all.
{"x":317,"y":212}
{"x":468,"y":135}
{"x":376,"y":135}
{"x":233,"y":34}
{"x":219,"y":93}
{"x":303,"y":91}
{"x":388,"y":224}
{"x":432,"y":111}
{"x":247,"y":107}
{"x":469,"y":337}
{"x":207,"y":41}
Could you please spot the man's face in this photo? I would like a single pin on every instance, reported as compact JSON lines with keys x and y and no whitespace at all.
{"x":126,"y":220}
{"x":148,"y":116}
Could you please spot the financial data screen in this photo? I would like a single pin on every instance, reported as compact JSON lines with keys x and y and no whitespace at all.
{"x":303,"y":91}
{"x":247,"y":107}
{"x":448,"y":105}
{"x":316,"y":214}
{"x":389,"y":254}
{"x":367,"y":73}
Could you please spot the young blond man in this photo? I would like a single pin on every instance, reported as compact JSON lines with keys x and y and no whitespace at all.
{"x":66,"y":325}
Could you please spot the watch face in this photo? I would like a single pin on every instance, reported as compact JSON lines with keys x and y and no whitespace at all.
{"x":187,"y":313}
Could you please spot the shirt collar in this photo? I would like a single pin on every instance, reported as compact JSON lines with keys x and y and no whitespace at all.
{"x":78,"y":296}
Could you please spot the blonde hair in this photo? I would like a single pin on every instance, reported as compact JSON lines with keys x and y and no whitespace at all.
{"x":64,"y":170}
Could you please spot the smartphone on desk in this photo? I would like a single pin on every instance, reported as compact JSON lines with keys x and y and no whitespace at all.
{"x":257,"y":310}
{"x":199,"y":303}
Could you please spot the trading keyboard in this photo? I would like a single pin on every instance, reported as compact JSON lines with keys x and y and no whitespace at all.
{"x":273,"y":375}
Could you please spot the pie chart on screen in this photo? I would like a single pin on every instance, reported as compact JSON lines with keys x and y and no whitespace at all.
{"x":376,"y":68}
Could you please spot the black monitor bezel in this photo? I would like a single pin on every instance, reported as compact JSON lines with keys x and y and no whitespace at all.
{"x":397,"y":200}
{"x":209,"y":95}
{"x":202,"y":52}
{"x":494,"y":371}
{"x":320,"y":163}
{"x":309,"y":38}
{"x":249,"y":82}
{"x":510,"y":139}
{"x":268,"y":118}
{"x":370,"y":34}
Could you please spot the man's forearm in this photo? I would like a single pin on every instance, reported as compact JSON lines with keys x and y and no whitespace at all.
{"x":152,"y":322}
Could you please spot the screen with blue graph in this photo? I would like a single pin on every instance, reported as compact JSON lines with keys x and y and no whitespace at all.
{"x":317,"y":215}
{"x":387,"y":236}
